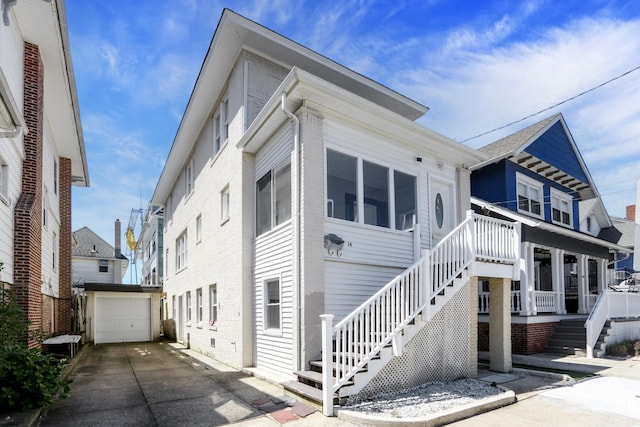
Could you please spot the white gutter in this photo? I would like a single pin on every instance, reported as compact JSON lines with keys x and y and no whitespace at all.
{"x":295,"y":172}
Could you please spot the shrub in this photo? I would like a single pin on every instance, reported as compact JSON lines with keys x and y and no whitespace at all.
{"x":28,"y":378}
{"x":621,"y":349}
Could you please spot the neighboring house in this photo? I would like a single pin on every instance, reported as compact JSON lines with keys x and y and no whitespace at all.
{"x":297,"y":187}
{"x":538,"y":178}
{"x":107,"y":310}
{"x":624,"y":266}
{"x":95,"y":260}
{"x":41,"y":156}
{"x":151,"y":246}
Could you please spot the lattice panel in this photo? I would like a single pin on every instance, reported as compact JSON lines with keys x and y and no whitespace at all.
{"x":440,"y":351}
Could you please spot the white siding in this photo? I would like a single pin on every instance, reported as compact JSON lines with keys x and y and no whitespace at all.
{"x":273,"y":259}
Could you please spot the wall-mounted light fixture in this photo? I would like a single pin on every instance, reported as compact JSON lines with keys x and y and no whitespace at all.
{"x":333,"y":244}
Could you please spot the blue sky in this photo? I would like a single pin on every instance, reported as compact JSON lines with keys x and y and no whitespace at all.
{"x":476,"y":65}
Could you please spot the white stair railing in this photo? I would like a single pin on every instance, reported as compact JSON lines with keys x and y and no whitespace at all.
{"x":362,"y":334}
{"x":610,"y":305}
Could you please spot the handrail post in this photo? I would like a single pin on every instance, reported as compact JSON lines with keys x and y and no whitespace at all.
{"x":327,"y":369}
{"x":426,"y":284}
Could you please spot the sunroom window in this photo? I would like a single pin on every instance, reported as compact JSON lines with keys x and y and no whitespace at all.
{"x":273,"y":199}
{"x":405,"y":200}
{"x":376,"y":194}
{"x":342,"y":186}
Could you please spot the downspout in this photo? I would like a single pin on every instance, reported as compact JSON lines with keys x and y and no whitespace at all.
{"x":295,"y":172}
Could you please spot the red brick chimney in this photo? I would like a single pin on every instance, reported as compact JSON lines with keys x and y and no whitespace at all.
{"x":631,"y":212}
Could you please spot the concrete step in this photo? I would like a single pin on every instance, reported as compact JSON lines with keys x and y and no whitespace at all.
{"x":306,"y":393}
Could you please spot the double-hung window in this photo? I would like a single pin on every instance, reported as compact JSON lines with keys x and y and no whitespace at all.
{"x":103,"y":266}
{"x":199,"y":306}
{"x":199,"y":228}
{"x":220,"y":126}
{"x":213,"y":305}
{"x":530,"y":196}
{"x":561,"y":206}
{"x":181,"y":251}
{"x":189,"y":176}
{"x":272,"y":305}
{"x":386,"y":197}
{"x":273,"y":199}
{"x":189,"y":307}
{"x":224,"y":204}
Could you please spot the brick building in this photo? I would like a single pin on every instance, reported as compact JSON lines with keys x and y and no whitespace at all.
{"x":41,"y":156}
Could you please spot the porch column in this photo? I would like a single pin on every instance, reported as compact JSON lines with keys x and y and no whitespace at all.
{"x":602,"y":275}
{"x":583,"y":284}
{"x":557,"y":274}
{"x":500,"y":324}
{"x":527,"y":282}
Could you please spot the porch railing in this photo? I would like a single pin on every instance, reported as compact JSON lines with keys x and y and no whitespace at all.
{"x":362,"y":334}
{"x":545,"y":301}
{"x":515,"y":301}
{"x":610,"y":305}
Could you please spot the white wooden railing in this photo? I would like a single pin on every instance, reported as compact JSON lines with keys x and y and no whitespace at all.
{"x":483,"y":302}
{"x":610,"y":305}
{"x":362,"y":334}
{"x":545,"y":301}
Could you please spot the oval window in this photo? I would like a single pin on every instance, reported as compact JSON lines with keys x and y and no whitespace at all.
{"x":439,"y":210}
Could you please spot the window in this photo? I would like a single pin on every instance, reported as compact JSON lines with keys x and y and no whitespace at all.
{"x":213,"y":305}
{"x":376,"y":194}
{"x":561,"y":208}
{"x":272,"y":304}
{"x":199,"y":228}
{"x":103,"y":266}
{"x":221,"y":126}
{"x":54,"y":251}
{"x":181,"y":251}
{"x":389,"y":197}
{"x":4,"y":182}
{"x":224,"y":204}
{"x":199,"y":305}
{"x":175,"y":307}
{"x":405,"y":200}
{"x":189,"y":176}
{"x":273,"y":204}
{"x":44,"y":216}
{"x":529,"y":196}
{"x":189,"y":306}
{"x":55,"y":176}
{"x":342,"y":186}
{"x":166,"y":257}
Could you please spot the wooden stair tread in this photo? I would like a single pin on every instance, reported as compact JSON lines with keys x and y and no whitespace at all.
{"x":314,"y":376}
{"x":306,"y":391}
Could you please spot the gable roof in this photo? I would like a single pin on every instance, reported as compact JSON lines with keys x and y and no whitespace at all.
{"x":89,"y":244}
{"x":627,"y":229}
{"x":546,"y":148}
{"x":236,"y":33}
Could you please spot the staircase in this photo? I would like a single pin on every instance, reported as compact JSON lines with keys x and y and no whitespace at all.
{"x":359,"y":346}
{"x":568,"y":337}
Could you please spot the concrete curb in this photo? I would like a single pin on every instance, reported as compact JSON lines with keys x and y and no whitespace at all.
{"x":544,"y":374}
{"x":447,"y":416}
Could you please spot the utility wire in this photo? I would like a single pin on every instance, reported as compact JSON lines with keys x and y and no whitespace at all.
{"x":553,"y":106}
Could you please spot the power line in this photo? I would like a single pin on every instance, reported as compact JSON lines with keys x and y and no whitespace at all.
{"x":553,"y":106}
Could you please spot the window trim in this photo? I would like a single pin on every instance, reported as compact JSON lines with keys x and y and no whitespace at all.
{"x":220,"y":126}
{"x":273,"y":195}
{"x":106,"y":265}
{"x":181,"y":251}
{"x":225,"y":200}
{"x":530,"y":183}
{"x":198,"y":228}
{"x":199,"y":307}
{"x":360,"y":199}
{"x":4,"y":182}
{"x":214,"y":303}
{"x":561,"y":197}
{"x":189,"y":177}
{"x":265,"y":305}
{"x":189,"y":313}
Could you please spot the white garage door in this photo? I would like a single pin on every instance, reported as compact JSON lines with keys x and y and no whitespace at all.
{"x":122,"y":320}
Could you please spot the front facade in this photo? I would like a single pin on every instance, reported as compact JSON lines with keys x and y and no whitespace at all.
{"x":537,"y":177}
{"x":296,"y":187}
{"x":41,"y":157}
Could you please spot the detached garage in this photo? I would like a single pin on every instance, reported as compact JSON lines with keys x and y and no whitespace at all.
{"x":122,"y":313}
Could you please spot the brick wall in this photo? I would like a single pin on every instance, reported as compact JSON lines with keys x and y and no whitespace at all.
{"x":28,"y":211}
{"x":64,"y":264}
{"x":525,"y":338}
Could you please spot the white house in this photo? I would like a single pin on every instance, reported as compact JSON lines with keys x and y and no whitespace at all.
{"x":41,"y":156}
{"x":151,"y":246}
{"x":296,"y":187}
{"x":95,"y":260}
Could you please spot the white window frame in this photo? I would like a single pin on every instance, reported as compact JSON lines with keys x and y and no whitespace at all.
{"x":530,"y":183}
{"x":557,"y":199}
{"x":214,"y":307}
{"x":224,"y":204}
{"x":4,"y":182}
{"x":199,"y":307}
{"x":181,"y":251}
{"x":266,"y":305}
{"x":189,"y":308}
{"x":198,"y":228}
{"x":189,"y":176}
{"x":273,"y":202}
{"x":220,"y":124}
{"x":103,"y":263}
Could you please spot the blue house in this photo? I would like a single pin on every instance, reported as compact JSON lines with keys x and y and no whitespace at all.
{"x":538,"y":178}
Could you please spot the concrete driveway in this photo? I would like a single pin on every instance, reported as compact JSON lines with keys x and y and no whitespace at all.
{"x":159,"y":384}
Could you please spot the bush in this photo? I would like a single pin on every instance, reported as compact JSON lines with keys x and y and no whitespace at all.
{"x":28,"y":378}
{"x":621,"y":349}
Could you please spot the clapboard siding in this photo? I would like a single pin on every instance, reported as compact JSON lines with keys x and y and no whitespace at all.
{"x":347,"y":286}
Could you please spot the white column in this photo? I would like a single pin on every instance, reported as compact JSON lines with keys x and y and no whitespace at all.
{"x":527,"y":283}
{"x":602,"y":274}
{"x":557,"y":274}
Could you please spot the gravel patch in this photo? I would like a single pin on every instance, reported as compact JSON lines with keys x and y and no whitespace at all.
{"x":425,"y":400}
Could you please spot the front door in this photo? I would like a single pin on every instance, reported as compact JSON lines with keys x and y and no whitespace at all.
{"x":442,"y":208}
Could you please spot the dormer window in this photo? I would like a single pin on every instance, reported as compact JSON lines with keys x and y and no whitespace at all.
{"x":529,"y":196}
